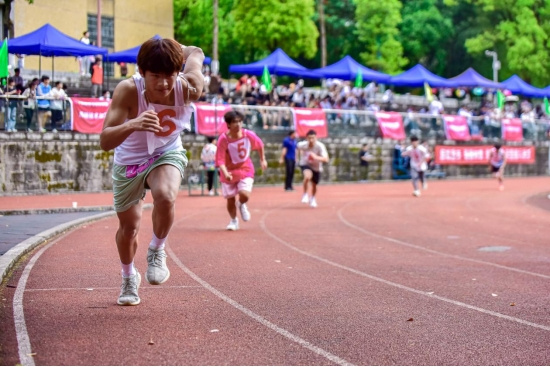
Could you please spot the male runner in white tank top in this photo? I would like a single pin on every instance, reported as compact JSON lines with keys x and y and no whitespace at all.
{"x":147,"y":115}
{"x":497,"y":163}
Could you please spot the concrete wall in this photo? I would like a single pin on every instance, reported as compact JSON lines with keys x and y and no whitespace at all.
{"x":135,"y":22}
{"x":42,"y":163}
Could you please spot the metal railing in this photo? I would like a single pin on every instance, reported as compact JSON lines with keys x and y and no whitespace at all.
{"x":22,"y":113}
{"x":270,"y":119}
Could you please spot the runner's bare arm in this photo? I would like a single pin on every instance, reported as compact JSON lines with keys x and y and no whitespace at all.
{"x":115,"y":131}
{"x":225,"y":172}
{"x":263,"y":161}
{"x":194,"y":58}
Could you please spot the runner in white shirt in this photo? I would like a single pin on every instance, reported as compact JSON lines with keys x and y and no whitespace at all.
{"x":143,"y":124}
{"x":312,"y":154}
{"x":497,"y":162}
{"x":419,"y":156}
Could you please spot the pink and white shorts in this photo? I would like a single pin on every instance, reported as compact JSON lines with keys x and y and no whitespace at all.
{"x":230,"y":190}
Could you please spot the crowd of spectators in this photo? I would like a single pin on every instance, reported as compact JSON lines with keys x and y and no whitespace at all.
{"x":483,"y":116}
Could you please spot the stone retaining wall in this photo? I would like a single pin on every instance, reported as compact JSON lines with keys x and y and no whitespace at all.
{"x":68,"y":161}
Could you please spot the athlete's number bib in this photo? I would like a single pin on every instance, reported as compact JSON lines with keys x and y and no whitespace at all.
{"x":239,"y":151}
{"x":168,"y":119}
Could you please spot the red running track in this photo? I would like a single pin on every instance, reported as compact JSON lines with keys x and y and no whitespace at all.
{"x":373,"y":276}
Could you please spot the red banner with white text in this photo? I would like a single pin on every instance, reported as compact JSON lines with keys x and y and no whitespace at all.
{"x":512,"y":129}
{"x":306,"y":119}
{"x":391,"y":125}
{"x":456,"y":127}
{"x":89,"y":114}
{"x":472,"y":155}
{"x":209,"y":118}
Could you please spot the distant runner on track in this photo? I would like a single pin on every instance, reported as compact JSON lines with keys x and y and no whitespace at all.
{"x":147,"y":114}
{"x":497,"y":162}
{"x":312,"y":155}
{"x":419,"y":156}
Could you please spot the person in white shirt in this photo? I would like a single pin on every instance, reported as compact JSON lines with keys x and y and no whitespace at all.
{"x":419,"y":156}
{"x":312,"y":154}
{"x":57,"y":104}
{"x":436,"y":107}
{"x":208,"y":158}
{"x":85,"y":60}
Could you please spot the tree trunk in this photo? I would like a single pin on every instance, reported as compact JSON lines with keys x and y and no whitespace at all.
{"x":322,"y":30}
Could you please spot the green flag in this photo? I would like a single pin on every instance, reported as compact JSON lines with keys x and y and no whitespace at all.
{"x":500,"y":99}
{"x":546,"y":106}
{"x":4,"y":72}
{"x":359,"y":79}
{"x":428,"y":92}
{"x":266,"y":79}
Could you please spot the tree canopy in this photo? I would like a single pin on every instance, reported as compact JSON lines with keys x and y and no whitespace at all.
{"x":446,"y":36}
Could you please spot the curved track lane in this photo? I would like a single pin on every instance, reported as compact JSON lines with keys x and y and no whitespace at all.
{"x":334,"y":285}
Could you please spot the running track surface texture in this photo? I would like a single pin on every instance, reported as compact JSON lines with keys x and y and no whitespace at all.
{"x":373,"y":276}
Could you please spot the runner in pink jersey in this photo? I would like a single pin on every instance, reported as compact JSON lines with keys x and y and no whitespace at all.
{"x":235,"y":165}
{"x":497,"y":162}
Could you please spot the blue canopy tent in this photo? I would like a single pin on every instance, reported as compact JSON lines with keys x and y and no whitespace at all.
{"x":471,"y":78}
{"x":347,"y":69}
{"x":49,"y":41}
{"x":517,"y":85}
{"x":130,"y":55}
{"x":417,"y":76}
{"x":278,"y":63}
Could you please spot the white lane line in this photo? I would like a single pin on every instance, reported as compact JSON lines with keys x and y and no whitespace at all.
{"x":23,"y":340}
{"x":321,"y":352}
{"x":403,"y":243}
{"x":397,"y":285}
{"x":108,"y":288}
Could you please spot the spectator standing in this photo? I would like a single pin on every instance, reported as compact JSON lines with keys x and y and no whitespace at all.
{"x":97,"y":77}
{"x":288,"y":156}
{"x":123,"y":69}
{"x":57,"y":104}
{"x":18,"y":79}
{"x":29,"y":105}
{"x":85,"y":60}
{"x":20,"y":61}
{"x":364,"y":158}
{"x":11,"y":91}
{"x":43,"y":90}
{"x":208,"y":158}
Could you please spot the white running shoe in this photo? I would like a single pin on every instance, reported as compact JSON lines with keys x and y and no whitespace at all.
{"x":313,"y":202}
{"x":129,"y":290}
{"x":245,"y":214}
{"x":305,"y":198}
{"x":157,"y":271}
{"x":425,"y":186}
{"x":233,"y":225}
{"x":211,"y":193}
{"x":54,"y":130}
{"x":416,"y":193}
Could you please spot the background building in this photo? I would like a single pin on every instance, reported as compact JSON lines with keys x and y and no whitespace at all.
{"x":124,"y":24}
